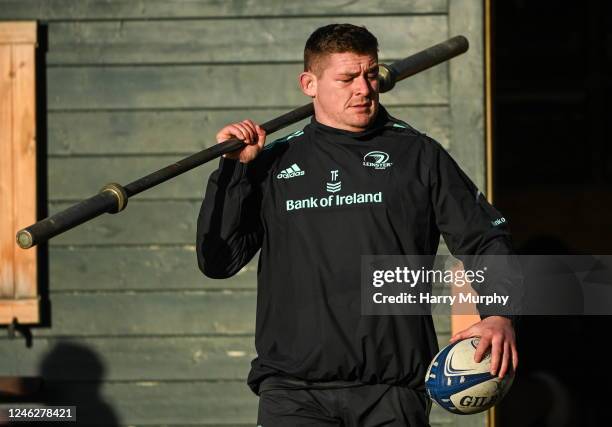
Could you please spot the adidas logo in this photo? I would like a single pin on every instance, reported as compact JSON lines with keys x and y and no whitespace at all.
{"x":291,"y":172}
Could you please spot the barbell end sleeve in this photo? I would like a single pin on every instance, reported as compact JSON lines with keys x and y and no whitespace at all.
{"x":25,"y":239}
{"x":386,"y":78}
{"x":119,"y":193}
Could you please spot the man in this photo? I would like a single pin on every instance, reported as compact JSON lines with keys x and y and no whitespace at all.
{"x":320,"y":362}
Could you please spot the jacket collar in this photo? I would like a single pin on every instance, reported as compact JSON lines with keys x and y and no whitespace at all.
{"x":381,"y":120}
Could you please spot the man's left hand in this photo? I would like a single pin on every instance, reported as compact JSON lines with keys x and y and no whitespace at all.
{"x":495,"y":332}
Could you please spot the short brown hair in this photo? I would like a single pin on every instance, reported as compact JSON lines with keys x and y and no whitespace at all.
{"x":338,"y":38}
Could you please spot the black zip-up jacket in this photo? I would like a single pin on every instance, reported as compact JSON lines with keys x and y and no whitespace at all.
{"x":314,"y":202}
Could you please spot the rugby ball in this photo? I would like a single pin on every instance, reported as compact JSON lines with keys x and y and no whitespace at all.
{"x":462,"y":386}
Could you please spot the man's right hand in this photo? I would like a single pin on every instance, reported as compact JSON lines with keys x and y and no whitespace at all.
{"x":250,"y":133}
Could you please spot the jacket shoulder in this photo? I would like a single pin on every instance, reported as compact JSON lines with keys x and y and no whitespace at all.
{"x":399,"y":126}
{"x":417,"y":140}
{"x":273,"y":151}
{"x":284,"y":142}
{"x":414,"y":135}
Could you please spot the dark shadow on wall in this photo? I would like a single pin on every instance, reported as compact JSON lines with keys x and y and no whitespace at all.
{"x":72,"y":376}
{"x":69,"y":374}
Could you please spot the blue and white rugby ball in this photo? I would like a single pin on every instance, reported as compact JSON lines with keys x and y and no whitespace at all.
{"x":462,"y":386}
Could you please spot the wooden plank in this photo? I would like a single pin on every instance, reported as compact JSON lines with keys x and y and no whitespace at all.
{"x":136,"y":268}
{"x":18,"y":279}
{"x":467,"y":82}
{"x":166,"y":223}
{"x":134,"y":358}
{"x":94,"y":172}
{"x":7,"y":244}
{"x":130,"y":358}
{"x":159,"y":313}
{"x":467,"y":111}
{"x":17,"y":183}
{"x":17,"y":32}
{"x":152,"y":402}
{"x":441,"y":417}
{"x":168,"y":9}
{"x":25,"y":310}
{"x":167,"y":403}
{"x":242,"y":40}
{"x":152,"y":313}
{"x":148,"y":132}
{"x":209,"y":86}
{"x":442,"y":326}
{"x":24,"y":166}
{"x":155,"y":132}
{"x":443,"y":336}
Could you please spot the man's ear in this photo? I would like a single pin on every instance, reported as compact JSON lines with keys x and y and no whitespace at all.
{"x":308,"y":83}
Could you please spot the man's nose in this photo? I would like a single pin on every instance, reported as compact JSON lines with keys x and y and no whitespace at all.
{"x":363,"y":85}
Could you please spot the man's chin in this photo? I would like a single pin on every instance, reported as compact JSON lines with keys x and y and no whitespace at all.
{"x":365,"y":119}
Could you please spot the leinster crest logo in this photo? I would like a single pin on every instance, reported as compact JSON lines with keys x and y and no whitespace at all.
{"x":377,"y":160}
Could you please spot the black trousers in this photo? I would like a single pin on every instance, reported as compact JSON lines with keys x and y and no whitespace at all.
{"x":357,"y":406}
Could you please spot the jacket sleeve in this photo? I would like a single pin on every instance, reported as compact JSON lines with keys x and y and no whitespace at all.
{"x":229,"y":230}
{"x":475,"y":232}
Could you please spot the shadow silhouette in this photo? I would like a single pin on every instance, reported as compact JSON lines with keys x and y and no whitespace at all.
{"x":69,"y":374}
{"x":72,"y":376}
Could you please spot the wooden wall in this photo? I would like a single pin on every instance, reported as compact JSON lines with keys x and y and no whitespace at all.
{"x":138,"y":335}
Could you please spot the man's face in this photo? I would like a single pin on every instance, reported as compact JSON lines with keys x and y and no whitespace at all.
{"x":344,"y":88}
